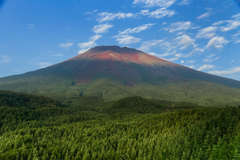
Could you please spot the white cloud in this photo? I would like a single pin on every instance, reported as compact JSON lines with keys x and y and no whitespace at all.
{"x":191,"y":66}
{"x":90,"y":43}
{"x":182,"y":61}
{"x":106,"y":16}
{"x":65,"y":45}
{"x":31,"y":26}
{"x":83,"y":50}
{"x":154,"y":3}
{"x":233,"y":23}
{"x":44,"y":64}
{"x":148,"y":44}
{"x":191,"y":61}
{"x":90,"y":12}
{"x":167,"y":46}
{"x":238,"y":41}
{"x":173,"y":59}
{"x":159,"y":13}
{"x":216,"y":43}
{"x":185,"y":41}
{"x":167,"y":54}
{"x":95,"y":37}
{"x":153,"y":54}
{"x":205,"y":15}
{"x":211,"y":55}
{"x":226,"y":72}
{"x":102,"y":28}
{"x":179,"y":55}
{"x":185,"y":2}
{"x":237,"y":16}
{"x":195,"y":51}
{"x":205,"y":67}
{"x":5,"y":59}
{"x":178,"y":26}
{"x":136,"y":29}
{"x":57,"y":55}
{"x":207,"y":32}
{"x":208,"y":59}
{"x":126,"y":39}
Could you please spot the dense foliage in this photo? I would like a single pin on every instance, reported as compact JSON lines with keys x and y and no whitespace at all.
{"x":11,"y":99}
{"x":71,"y":133}
{"x":136,"y":104}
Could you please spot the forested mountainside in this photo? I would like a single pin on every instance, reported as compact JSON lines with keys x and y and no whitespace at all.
{"x":151,"y":129}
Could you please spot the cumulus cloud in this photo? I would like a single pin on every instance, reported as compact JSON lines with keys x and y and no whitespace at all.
{"x":207,"y":32}
{"x":106,"y":16}
{"x":205,"y":67}
{"x":44,"y":64}
{"x":205,"y":15}
{"x":65,"y":45}
{"x":178,"y":26}
{"x":126,"y":39}
{"x":231,"y":24}
{"x":102,"y":28}
{"x":191,"y":66}
{"x":90,"y":43}
{"x":87,"y":45}
{"x":154,"y":3}
{"x":136,"y":29}
{"x":146,"y":46}
{"x":159,"y":13}
{"x":185,"y":41}
{"x":216,"y":43}
{"x":226,"y":72}
{"x":5,"y":59}
{"x":83,"y":50}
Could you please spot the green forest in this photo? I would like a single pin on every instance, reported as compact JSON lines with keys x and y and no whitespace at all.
{"x":39,"y":128}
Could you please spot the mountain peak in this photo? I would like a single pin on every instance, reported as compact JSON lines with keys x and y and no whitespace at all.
{"x":114,"y":49}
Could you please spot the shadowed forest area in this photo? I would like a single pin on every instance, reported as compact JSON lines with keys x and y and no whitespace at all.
{"x":33,"y":127}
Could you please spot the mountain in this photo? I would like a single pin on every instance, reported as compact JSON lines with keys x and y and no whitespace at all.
{"x":110,"y":72}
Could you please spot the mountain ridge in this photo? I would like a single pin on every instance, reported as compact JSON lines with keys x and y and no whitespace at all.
{"x":123,"y":70}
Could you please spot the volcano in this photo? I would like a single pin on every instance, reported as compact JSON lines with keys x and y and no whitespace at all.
{"x":112,"y":72}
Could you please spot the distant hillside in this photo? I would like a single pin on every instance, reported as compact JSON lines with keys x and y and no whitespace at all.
{"x":15,"y":100}
{"x":136,"y":104}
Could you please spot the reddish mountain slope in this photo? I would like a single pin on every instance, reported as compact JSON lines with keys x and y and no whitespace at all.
{"x":129,"y":66}
{"x":112,"y":72}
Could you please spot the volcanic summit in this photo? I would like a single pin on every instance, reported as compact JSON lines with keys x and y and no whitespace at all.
{"x":130,"y":66}
{"x":113,"y":72}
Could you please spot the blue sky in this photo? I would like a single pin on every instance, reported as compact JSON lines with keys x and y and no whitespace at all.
{"x":203,"y":35}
